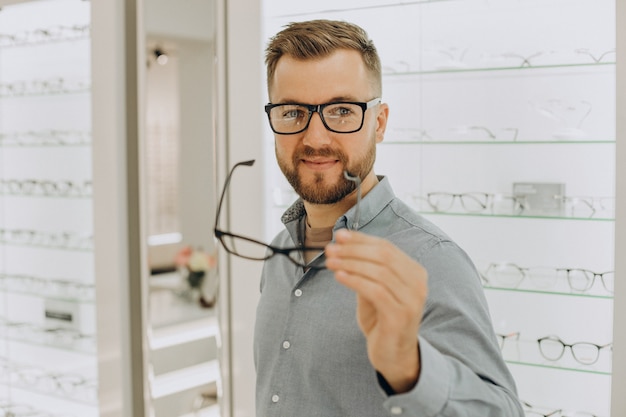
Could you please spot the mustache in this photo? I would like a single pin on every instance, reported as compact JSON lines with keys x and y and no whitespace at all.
{"x":308,"y":151}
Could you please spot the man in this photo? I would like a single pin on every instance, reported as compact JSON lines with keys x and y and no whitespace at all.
{"x":388,"y":319}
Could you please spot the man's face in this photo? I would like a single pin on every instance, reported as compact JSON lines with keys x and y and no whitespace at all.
{"x":313,"y":161}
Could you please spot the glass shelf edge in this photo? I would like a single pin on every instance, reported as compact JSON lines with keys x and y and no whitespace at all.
{"x":46,"y":247}
{"x":49,"y":297}
{"x":513,"y":216}
{"x":494,"y":69}
{"x":43,"y":145}
{"x":484,"y":142}
{"x":558,"y":368}
{"x":350,"y":9}
{"x":566,"y":294}
{"x":47,"y":197}
{"x":41,"y":95}
{"x":86,"y":352}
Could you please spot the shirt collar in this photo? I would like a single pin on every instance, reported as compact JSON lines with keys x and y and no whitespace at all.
{"x":371,"y":204}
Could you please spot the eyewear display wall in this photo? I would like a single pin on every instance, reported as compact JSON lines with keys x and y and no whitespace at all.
{"x":48,"y":362}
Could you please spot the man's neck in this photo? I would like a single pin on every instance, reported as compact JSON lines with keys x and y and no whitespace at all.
{"x":326,"y":215}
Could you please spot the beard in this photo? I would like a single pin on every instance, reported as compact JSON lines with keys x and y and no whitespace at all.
{"x":317,"y":192}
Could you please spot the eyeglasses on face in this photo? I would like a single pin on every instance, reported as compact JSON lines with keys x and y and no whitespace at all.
{"x":338,"y":117}
{"x":249,"y":248}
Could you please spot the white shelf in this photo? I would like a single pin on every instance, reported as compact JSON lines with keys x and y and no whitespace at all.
{"x":185,"y":379}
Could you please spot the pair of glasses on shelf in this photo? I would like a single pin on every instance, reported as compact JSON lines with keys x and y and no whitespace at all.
{"x":59,"y":337}
{"x":477,"y":202}
{"x":471,"y":133}
{"x":503,"y":337}
{"x":587,"y":206}
{"x":47,"y":287}
{"x":49,"y":34}
{"x":13,"y":409}
{"x":46,"y":188}
{"x":511,"y":275}
{"x":46,"y":137}
{"x":249,"y":248}
{"x":49,"y":86}
{"x":55,"y":383}
{"x":552,"y":348}
{"x":58,"y":240}
{"x":534,"y":411}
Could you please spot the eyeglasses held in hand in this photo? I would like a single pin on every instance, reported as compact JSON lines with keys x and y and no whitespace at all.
{"x":249,"y":248}
{"x":338,"y":117}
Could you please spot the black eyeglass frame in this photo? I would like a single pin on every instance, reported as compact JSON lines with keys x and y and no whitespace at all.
{"x":319,"y":108}
{"x":273,"y":250}
{"x":564,"y":346}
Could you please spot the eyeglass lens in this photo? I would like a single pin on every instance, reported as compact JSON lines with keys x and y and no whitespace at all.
{"x":338,"y":117}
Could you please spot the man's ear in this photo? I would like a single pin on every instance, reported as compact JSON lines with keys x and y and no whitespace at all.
{"x":381,"y":121}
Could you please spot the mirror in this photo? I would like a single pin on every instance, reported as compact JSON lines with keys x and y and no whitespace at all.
{"x":180,"y":202}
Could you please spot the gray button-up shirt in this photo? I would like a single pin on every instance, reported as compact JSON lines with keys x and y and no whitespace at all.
{"x":310,"y":354}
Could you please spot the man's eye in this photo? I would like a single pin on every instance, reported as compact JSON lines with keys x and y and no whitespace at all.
{"x":292,"y":114}
{"x":340,"y":111}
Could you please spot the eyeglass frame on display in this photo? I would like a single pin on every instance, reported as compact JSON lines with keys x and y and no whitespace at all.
{"x":564,"y":345}
{"x":502,"y":338}
{"x":591,"y":281}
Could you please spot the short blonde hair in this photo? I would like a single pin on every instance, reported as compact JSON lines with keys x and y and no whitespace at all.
{"x":319,"y":38}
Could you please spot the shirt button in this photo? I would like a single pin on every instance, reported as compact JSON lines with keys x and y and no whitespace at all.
{"x":396,"y":411}
{"x":275,"y":398}
{"x":298,"y":292}
{"x":286,"y":344}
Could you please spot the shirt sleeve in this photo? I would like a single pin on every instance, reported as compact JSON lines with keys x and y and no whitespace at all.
{"x":462,"y":372}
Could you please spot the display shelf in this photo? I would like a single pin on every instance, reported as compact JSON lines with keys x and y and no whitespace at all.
{"x":52,"y":373}
{"x":519,"y":216}
{"x":48,"y":288}
{"x":330,"y":7}
{"x":184,"y":379}
{"x":186,"y":390}
{"x":210,"y":411}
{"x":45,"y":138}
{"x":47,"y":302}
{"x":546,"y":292}
{"x":45,"y":36}
{"x":30,"y":402}
{"x":86,"y":346}
{"x":66,"y":241}
{"x":581,"y":65}
{"x":436,"y":142}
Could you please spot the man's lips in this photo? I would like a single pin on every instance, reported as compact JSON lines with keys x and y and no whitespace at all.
{"x":319,"y":164}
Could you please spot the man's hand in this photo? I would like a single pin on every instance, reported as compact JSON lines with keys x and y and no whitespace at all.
{"x":391,"y":290}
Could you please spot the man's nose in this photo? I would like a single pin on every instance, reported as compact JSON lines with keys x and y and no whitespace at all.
{"x":316,"y":135}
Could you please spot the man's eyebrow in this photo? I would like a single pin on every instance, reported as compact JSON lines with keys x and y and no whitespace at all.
{"x":332,"y":100}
